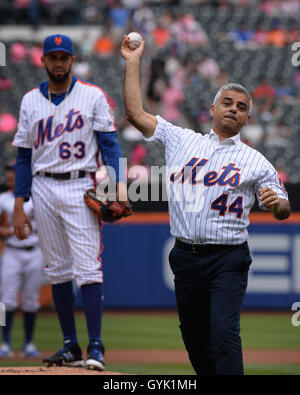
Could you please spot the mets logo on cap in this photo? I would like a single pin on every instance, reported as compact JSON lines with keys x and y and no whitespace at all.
{"x":58,"y":42}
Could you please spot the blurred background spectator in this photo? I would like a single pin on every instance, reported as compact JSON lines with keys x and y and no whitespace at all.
{"x":264,"y":91}
{"x":82,"y":68}
{"x":253,"y":132}
{"x":161,"y":33}
{"x":8,"y":122}
{"x":242,"y":36}
{"x":277,"y":35}
{"x":143,"y":20}
{"x":18,"y":52}
{"x":171,"y":99}
{"x":208,"y":68}
{"x":35,"y":53}
{"x":261,"y":35}
{"x":5,"y":83}
{"x":137,"y":166}
{"x":118,"y":20}
{"x":104,"y":45}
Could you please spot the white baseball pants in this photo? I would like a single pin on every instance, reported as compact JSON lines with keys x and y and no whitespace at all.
{"x":69,"y":234}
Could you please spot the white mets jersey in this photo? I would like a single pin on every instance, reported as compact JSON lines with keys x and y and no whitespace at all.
{"x":212,"y":185}
{"x":62,"y":137}
{"x":7,"y":202}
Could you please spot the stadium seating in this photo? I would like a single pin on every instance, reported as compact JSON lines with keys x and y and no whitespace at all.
{"x":245,"y":65}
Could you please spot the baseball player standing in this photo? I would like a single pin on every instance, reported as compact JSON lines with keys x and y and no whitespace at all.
{"x":213,"y":181}
{"x":64,"y":123}
{"x":21,"y":271}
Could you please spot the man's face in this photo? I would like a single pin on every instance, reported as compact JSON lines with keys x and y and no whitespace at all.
{"x":10,"y":179}
{"x":58,"y":65}
{"x":231,"y":112}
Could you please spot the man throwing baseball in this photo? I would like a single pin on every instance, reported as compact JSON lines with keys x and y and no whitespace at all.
{"x":64,"y":123}
{"x":213,"y":181}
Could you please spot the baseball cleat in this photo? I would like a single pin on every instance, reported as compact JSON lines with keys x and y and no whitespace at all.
{"x":95,"y":357}
{"x":6,"y":351}
{"x":69,"y":355}
{"x":30,"y":351}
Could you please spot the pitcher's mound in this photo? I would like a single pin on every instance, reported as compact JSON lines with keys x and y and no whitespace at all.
{"x":56,"y":371}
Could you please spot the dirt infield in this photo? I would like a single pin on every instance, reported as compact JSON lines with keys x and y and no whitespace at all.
{"x":53,"y":371}
{"x":150,"y":356}
{"x":180,"y":356}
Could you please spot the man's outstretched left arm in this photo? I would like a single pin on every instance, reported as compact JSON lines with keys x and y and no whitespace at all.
{"x":280,"y":208}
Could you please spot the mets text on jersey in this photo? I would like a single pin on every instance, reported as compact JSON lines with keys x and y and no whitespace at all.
{"x":46,"y":132}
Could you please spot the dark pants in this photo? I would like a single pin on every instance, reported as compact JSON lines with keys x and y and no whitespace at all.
{"x":210,"y":286}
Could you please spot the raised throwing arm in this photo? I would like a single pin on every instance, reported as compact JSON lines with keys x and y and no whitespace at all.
{"x":136,"y":115}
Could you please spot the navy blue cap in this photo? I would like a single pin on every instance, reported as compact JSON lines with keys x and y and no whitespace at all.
{"x":58,"y":42}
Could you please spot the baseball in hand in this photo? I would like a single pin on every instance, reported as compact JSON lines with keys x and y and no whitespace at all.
{"x":134,"y":40}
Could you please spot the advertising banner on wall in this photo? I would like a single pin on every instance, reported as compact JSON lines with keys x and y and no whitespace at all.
{"x":137,"y":273}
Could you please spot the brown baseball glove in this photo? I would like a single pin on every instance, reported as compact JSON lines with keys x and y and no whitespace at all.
{"x":106,"y":210}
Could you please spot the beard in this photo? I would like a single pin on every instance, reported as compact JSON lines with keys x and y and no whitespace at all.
{"x":59,"y":79}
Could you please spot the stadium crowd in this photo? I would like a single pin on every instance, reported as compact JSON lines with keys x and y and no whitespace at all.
{"x":193,"y":48}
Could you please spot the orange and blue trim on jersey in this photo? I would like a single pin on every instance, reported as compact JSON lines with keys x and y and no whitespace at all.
{"x":105,"y":96}
{"x":55,"y":99}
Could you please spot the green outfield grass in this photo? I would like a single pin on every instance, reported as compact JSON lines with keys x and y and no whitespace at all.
{"x":155,"y":331}
{"x":161,"y":331}
{"x":269,"y":331}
